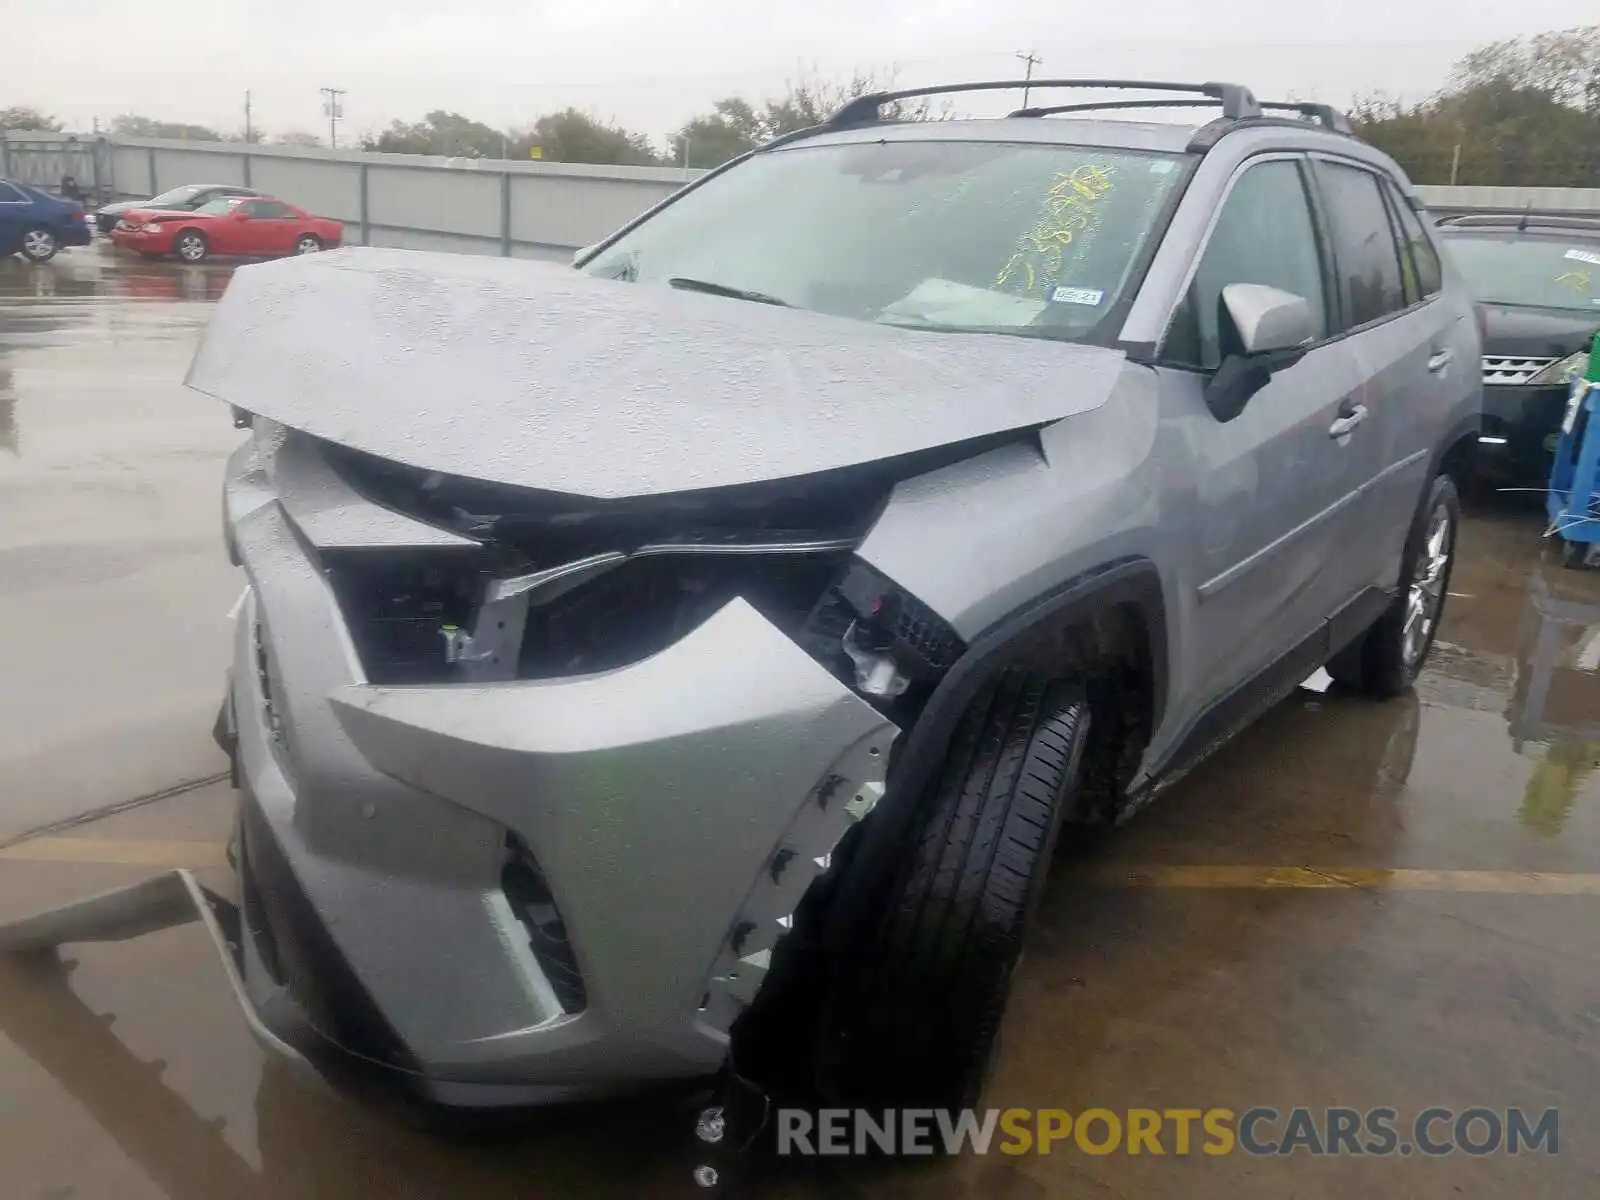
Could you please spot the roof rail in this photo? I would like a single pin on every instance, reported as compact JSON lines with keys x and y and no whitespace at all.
{"x":1522,"y":220}
{"x":1237,"y":100}
{"x":1324,"y":114}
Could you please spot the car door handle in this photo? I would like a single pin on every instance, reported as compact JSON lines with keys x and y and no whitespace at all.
{"x":1440,"y":361}
{"x":1348,"y":421}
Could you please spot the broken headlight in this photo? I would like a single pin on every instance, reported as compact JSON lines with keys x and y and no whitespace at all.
{"x":878,"y":637}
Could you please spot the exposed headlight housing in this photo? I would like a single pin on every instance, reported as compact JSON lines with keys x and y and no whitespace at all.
{"x":1562,"y":373}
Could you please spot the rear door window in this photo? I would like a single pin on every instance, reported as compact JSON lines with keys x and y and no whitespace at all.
{"x":1364,"y":242}
{"x":1264,"y":234}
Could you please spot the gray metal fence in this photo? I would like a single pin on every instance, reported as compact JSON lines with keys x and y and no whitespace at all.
{"x":474,"y":206}
{"x":45,"y":159}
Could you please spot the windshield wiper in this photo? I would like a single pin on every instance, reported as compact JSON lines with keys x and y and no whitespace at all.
{"x":722,"y":289}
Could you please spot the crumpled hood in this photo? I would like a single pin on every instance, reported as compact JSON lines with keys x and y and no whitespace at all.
{"x":535,"y":375}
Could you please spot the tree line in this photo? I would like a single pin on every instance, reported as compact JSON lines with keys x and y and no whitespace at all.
{"x":1525,"y":111}
{"x":733,"y":126}
{"x":1522,"y":112}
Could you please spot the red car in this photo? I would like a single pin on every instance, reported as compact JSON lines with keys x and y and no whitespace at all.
{"x":259,"y":227}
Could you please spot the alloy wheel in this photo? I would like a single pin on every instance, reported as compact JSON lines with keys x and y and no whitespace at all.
{"x":307,"y":245}
{"x":38,"y":244}
{"x":1425,"y":596}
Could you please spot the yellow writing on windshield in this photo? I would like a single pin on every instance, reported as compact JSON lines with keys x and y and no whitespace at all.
{"x":1578,"y":281}
{"x":1070,"y":207}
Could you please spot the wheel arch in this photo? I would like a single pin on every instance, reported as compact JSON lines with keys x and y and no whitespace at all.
{"x":1457,"y":451}
{"x":1048,"y":634}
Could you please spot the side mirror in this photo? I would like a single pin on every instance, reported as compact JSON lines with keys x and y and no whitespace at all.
{"x":1266,"y":319}
{"x":1270,"y":330}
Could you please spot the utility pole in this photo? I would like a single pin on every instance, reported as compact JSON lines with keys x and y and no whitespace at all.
{"x":333,"y":106}
{"x":248,"y":131}
{"x":1032,"y":60}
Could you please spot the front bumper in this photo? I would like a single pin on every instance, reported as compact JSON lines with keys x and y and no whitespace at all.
{"x":137,"y":239}
{"x":675,"y":810}
{"x":1517,"y":441}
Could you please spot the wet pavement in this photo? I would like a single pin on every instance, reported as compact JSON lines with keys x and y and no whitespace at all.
{"x":1355,"y":905}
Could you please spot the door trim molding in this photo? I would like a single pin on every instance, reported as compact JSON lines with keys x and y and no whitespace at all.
{"x":1218,"y":583}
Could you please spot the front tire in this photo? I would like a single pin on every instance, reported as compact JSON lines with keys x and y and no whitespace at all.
{"x":39,"y":245}
{"x":191,"y":246}
{"x":916,"y":1022}
{"x":1386,"y":660}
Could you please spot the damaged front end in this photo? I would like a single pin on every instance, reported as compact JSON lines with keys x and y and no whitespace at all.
{"x":531,"y":786}
{"x":559,"y":680}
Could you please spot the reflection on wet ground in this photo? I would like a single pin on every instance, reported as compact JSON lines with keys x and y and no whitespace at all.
{"x":1355,"y":904}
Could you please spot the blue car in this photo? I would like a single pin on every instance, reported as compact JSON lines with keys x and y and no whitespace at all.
{"x":35,"y":224}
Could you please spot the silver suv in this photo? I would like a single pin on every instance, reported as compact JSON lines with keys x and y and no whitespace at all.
{"x":701,"y":651}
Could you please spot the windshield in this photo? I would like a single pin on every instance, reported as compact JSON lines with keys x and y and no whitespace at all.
{"x":1538,"y":272}
{"x":220,"y":207}
{"x":175,"y":196}
{"x":988,"y":237}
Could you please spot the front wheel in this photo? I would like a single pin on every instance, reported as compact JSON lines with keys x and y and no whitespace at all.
{"x":1386,"y":660}
{"x":916,"y":1020}
{"x":191,"y":246}
{"x":308,"y":243}
{"x":39,"y":245}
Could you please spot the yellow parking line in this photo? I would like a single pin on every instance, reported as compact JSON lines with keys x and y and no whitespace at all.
{"x":117,"y":852}
{"x":134,"y":852}
{"x":1403,"y":879}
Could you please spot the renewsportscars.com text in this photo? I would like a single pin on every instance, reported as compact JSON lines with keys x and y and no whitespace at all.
{"x":1261,"y":1131}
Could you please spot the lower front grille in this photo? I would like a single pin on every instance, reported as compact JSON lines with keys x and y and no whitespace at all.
{"x":1512,"y":370}
{"x":525,"y":888}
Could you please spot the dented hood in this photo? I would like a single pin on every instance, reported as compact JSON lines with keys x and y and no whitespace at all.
{"x":535,"y":375}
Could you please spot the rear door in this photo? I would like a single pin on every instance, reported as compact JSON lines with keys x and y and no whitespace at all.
{"x":1402,"y":335}
{"x":15,"y":208}
{"x":1275,"y":487}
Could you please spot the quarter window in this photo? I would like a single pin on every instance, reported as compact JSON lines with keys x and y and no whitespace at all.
{"x":1364,"y":243}
{"x":1426,"y":277}
{"x":1265,"y":235}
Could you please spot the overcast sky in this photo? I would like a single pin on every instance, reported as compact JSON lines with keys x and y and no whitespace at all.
{"x":652,"y":64}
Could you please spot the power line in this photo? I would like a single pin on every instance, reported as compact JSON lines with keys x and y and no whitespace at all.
{"x":1032,"y":60}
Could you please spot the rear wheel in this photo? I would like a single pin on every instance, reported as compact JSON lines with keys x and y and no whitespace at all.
{"x":917,"y":1020}
{"x":39,"y":245}
{"x":191,"y":246}
{"x":1387,"y":659}
{"x":307,"y":243}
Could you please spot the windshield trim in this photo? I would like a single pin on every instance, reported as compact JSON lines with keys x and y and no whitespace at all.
{"x":1104,"y":332}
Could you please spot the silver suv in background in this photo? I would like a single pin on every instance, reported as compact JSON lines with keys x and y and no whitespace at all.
{"x":695,"y":656}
